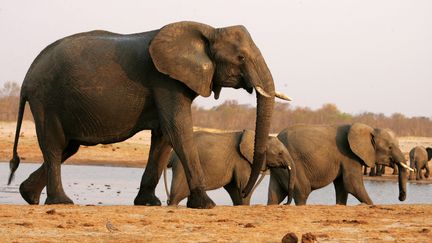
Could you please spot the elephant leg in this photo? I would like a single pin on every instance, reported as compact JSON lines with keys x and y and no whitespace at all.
{"x":32,"y":187}
{"x":383,"y":169}
{"x":353,"y":183}
{"x":379,"y":169}
{"x":301,"y":195}
{"x":418,"y":172}
{"x":157,"y":161}
{"x":365,"y":170}
{"x":276,"y":194}
{"x":422,"y":166}
{"x":179,"y":187}
{"x":373,"y":171}
{"x":341,"y":193}
{"x":176,"y":123}
{"x":52,"y":151}
{"x":427,"y":174}
{"x":235,"y":194}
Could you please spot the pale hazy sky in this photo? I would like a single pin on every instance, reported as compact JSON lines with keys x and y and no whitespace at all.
{"x":364,"y":55}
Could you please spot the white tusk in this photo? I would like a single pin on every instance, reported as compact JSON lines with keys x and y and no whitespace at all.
{"x":262,"y":92}
{"x":406,"y":166}
{"x":282,"y":96}
{"x":289,"y":167}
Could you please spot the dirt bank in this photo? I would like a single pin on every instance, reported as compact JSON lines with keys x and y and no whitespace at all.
{"x":404,"y":223}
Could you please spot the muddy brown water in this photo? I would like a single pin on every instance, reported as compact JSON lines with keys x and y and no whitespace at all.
{"x":104,"y":185}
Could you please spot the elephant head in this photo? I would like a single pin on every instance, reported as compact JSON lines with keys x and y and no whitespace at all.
{"x":206,"y":59}
{"x":276,"y":155}
{"x":380,"y":146}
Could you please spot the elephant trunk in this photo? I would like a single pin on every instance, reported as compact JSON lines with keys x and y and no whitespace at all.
{"x":399,"y":158}
{"x":260,"y":78}
{"x":402,"y":177}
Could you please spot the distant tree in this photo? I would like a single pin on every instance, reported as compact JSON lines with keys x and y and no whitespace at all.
{"x":10,"y":89}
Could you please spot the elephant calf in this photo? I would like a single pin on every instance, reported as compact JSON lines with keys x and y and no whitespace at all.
{"x":419,"y":157}
{"x":226,"y":160}
{"x":335,"y":154}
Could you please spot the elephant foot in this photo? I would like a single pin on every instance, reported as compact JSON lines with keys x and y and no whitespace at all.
{"x":29,"y":195}
{"x":60,"y":199}
{"x":198,"y":198}
{"x":148,"y":199}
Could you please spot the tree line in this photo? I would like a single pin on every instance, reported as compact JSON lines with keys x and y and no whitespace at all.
{"x":234,"y":116}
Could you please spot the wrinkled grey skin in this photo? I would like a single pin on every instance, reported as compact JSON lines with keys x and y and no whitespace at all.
{"x":326,"y":154}
{"x":100,"y":87}
{"x":419,"y":157}
{"x":226,"y":160}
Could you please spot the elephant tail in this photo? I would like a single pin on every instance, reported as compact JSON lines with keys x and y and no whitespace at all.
{"x":15,"y":161}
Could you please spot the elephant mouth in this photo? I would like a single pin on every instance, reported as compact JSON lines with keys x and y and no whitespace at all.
{"x":406,"y":166}
{"x":391,"y":161}
{"x":402,"y":164}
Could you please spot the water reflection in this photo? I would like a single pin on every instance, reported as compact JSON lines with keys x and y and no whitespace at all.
{"x":119,"y":186}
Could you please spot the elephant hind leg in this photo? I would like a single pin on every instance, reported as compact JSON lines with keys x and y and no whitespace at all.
{"x":157,"y":162}
{"x":341,"y":193}
{"x":51,"y":140}
{"x":427,"y":174}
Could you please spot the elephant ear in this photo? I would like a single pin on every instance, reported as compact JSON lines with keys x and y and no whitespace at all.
{"x":246,"y":145}
{"x":429,"y":152}
{"x":179,"y":50}
{"x":361,"y":142}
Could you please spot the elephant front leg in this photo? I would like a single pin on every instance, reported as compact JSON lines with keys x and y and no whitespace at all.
{"x":157,"y":161}
{"x":353,"y":183}
{"x":276,"y":194}
{"x":188,"y":155}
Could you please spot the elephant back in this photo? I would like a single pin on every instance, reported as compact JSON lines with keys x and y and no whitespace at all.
{"x":418,"y":153}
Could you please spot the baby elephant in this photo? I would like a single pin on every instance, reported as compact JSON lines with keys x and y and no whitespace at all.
{"x":226,"y":160}
{"x":419,"y":157}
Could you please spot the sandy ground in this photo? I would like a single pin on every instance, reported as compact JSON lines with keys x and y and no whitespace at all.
{"x":381,"y":223}
{"x":407,"y":223}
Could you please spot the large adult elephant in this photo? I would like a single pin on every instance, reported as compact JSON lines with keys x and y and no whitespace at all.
{"x":419,"y":157}
{"x":101,"y":87}
{"x":226,"y":160}
{"x":325,"y":154}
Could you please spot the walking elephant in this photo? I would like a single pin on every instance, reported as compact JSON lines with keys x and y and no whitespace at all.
{"x":325,"y":154}
{"x":226,"y":160}
{"x":100,"y":87}
{"x":419,"y":157}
